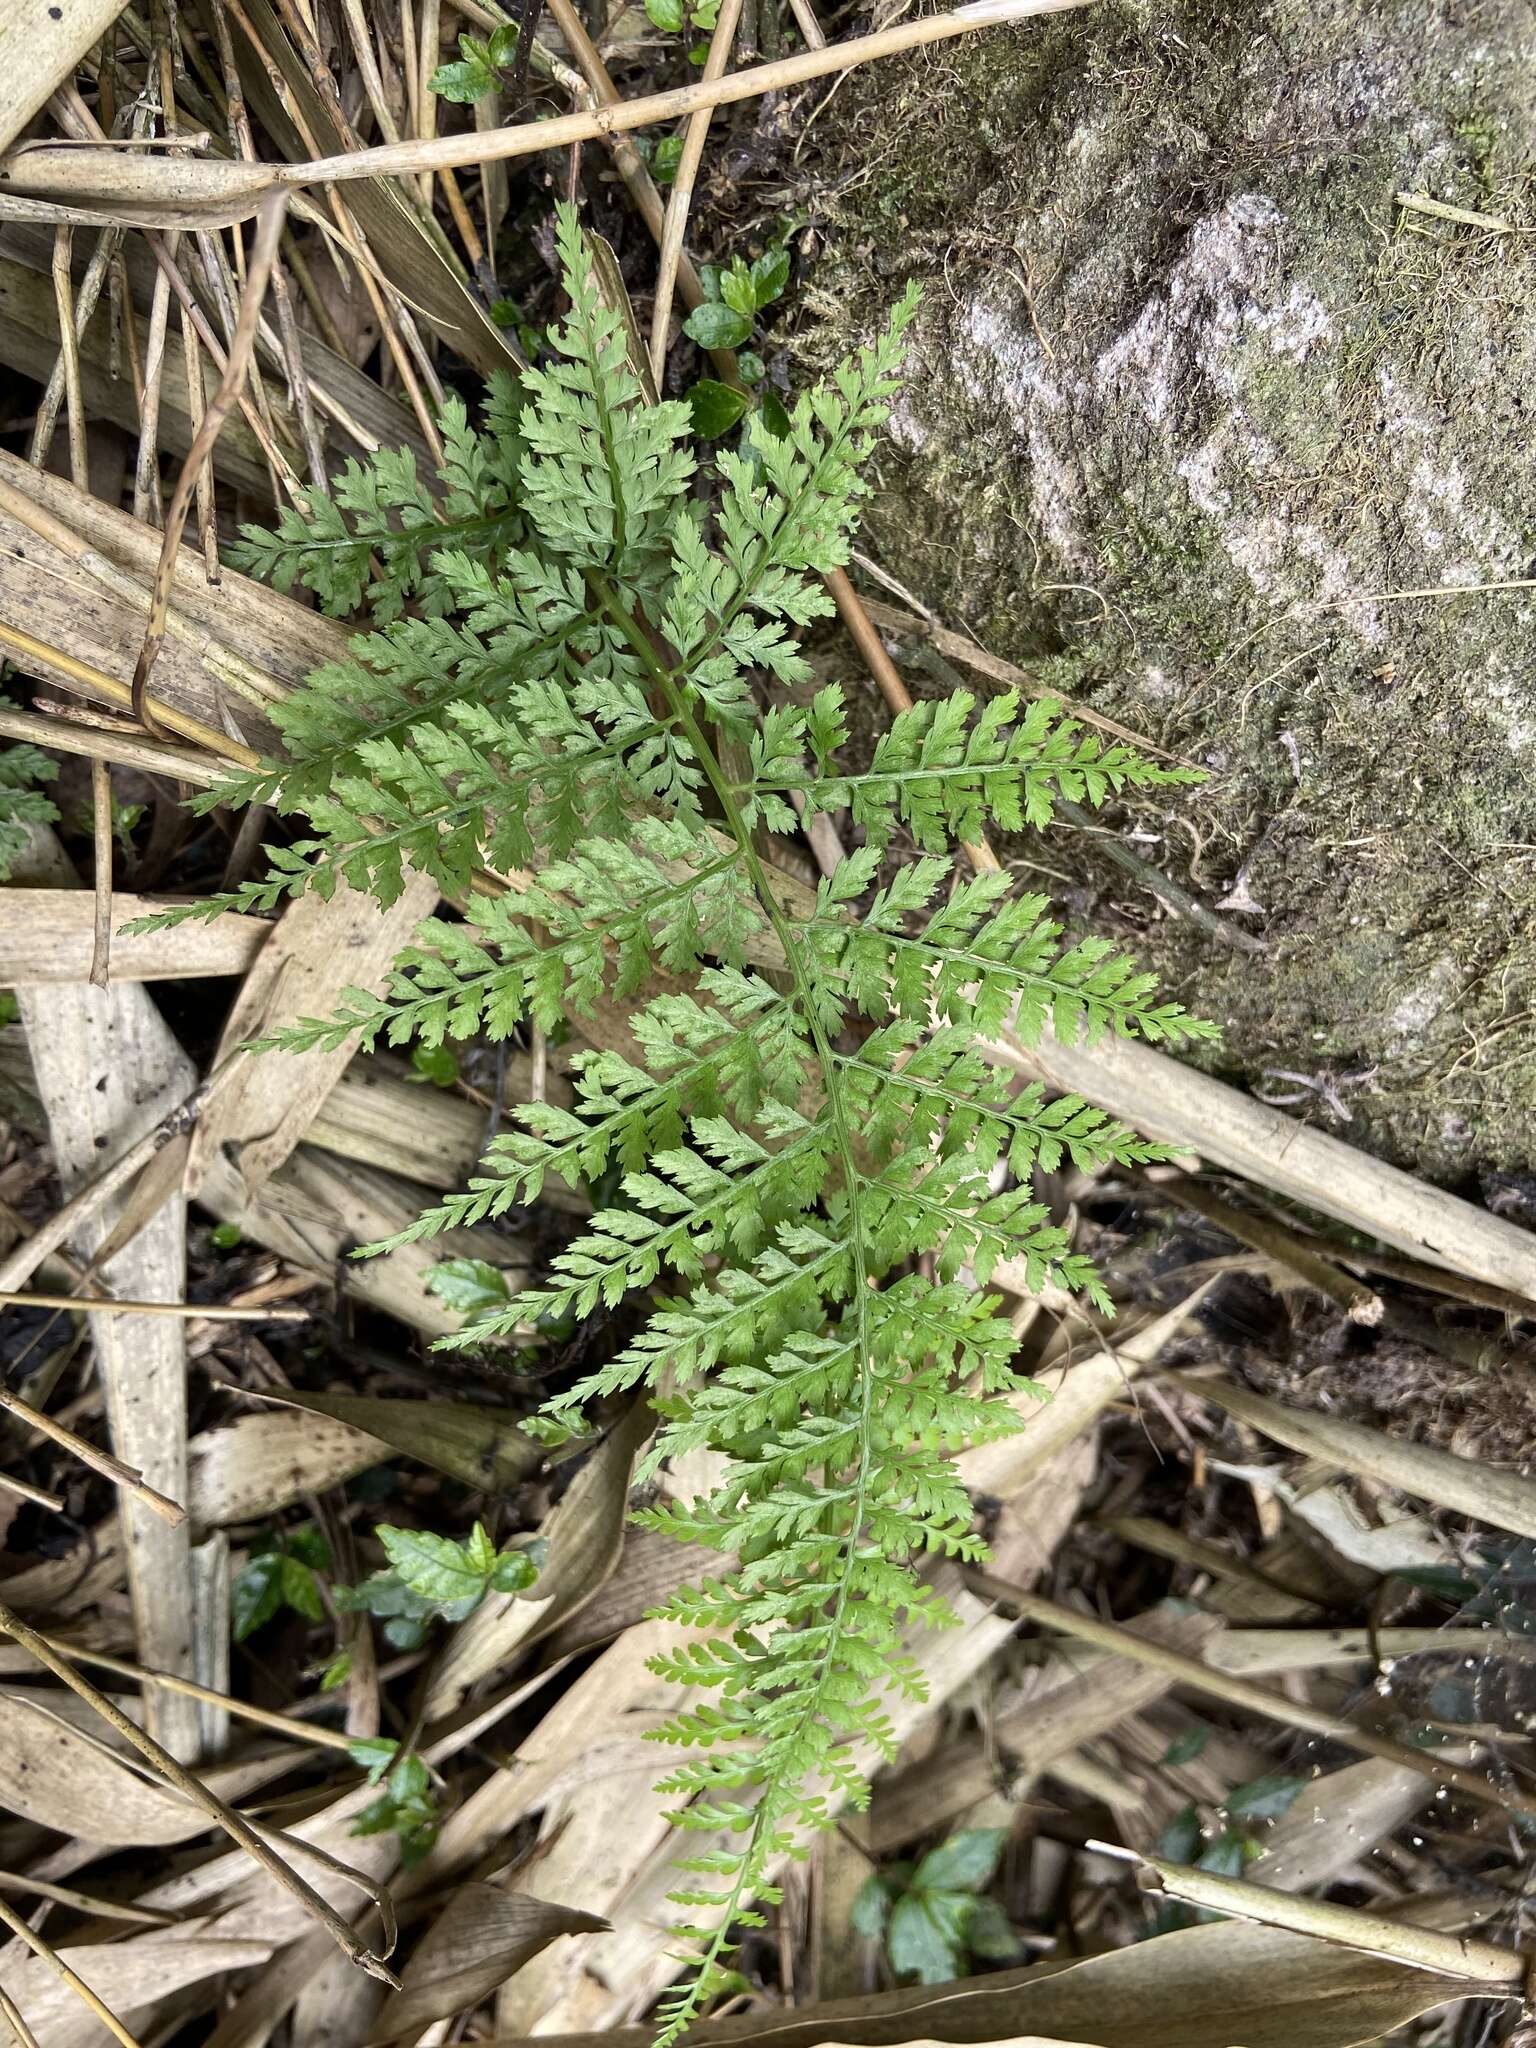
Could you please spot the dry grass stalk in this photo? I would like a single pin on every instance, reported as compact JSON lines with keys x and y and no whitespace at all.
{"x":675,"y":222}
{"x":263,"y":255}
{"x":108,"y":186}
{"x":207,"y":1311}
{"x":101,"y":833}
{"x":122,"y":1476}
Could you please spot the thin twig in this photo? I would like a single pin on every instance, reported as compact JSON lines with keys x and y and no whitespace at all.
{"x":101,"y":835}
{"x":125,"y":1477}
{"x":675,"y":223}
{"x":69,"y":359}
{"x":85,"y":305}
{"x":38,"y":1495}
{"x":9,"y":2012}
{"x":234,"y":1824}
{"x":259,"y":1717}
{"x":264,"y":251}
{"x":84,"y":1902}
{"x":107,"y":743}
{"x":206,"y":1311}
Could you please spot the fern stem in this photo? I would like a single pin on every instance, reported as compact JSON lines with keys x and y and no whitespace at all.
{"x":750,"y":1871}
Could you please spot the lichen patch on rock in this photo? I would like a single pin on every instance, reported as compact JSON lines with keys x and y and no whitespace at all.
{"x":1197,"y":399}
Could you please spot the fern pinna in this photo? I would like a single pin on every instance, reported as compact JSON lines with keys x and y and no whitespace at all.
{"x":818,"y":1166}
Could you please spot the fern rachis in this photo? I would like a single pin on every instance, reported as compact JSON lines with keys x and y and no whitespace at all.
{"x":585,"y":704}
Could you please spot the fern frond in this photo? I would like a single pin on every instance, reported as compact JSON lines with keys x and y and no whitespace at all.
{"x":817,"y":1169}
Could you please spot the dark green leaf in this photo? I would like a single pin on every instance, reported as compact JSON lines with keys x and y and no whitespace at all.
{"x":257,"y":1593}
{"x":774,"y":416}
{"x":1180,"y":1839}
{"x":435,"y":1063}
{"x":373,"y":1754}
{"x":301,"y":1590}
{"x":665,"y":14}
{"x":1186,"y":1747}
{"x":462,"y":83}
{"x":409,"y":1780}
{"x":514,"y":1572}
{"x":965,"y":1863}
{"x":1264,"y":1798}
{"x":736,"y":289}
{"x":308,"y":1545}
{"x":918,"y":1945}
{"x":669,"y":153}
{"x":337,"y":1672}
{"x":770,"y":274}
{"x":716,"y":408}
{"x":502,"y":48}
{"x":871,"y":1909}
{"x":468,"y":1285}
{"x":434,"y":1566}
{"x":713,"y":325}
{"x":990,"y":1933}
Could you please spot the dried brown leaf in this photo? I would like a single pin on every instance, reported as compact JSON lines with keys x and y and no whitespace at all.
{"x":1207,"y":1987}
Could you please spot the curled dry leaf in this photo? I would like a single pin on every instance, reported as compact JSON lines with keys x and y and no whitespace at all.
{"x":481,"y":1938}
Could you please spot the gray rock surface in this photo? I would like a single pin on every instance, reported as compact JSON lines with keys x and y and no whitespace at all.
{"x":1192,"y":390}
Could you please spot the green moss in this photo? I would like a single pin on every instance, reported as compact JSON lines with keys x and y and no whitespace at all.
{"x":1190,"y":377}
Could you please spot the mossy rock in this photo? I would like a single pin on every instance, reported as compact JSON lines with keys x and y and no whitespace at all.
{"x":1192,"y":388}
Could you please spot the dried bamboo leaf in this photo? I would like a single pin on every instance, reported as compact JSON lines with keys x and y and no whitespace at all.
{"x":482,"y":1937}
{"x":321,"y":946}
{"x":1334,"y":1822}
{"x":1207,"y":1987}
{"x":1487,"y":1970}
{"x":60,"y":1777}
{"x":260,"y":1464}
{"x":45,"y":936}
{"x":1469,"y":1487}
{"x":1028,"y":1734}
{"x":108,"y":1070}
{"x":1080,"y":1391}
{"x":1173,"y":1102}
{"x":132,"y":1978}
{"x":482,"y":1447}
{"x":407,"y":244}
{"x":41,"y":41}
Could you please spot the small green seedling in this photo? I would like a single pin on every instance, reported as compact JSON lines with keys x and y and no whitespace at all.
{"x":479,"y":67}
{"x":281,"y":1573}
{"x":407,"y":1806}
{"x":931,"y":1916}
{"x":434,"y":1578}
